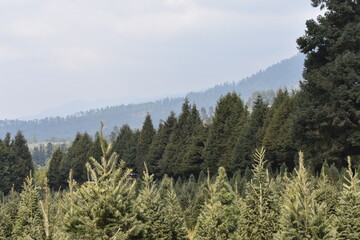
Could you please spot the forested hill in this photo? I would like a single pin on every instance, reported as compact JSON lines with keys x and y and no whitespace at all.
{"x":286,"y":73}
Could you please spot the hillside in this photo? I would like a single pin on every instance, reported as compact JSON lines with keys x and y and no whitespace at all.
{"x":286,"y":73}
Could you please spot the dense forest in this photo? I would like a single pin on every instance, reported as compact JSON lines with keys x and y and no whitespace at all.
{"x":288,"y":170}
{"x":287,"y":73}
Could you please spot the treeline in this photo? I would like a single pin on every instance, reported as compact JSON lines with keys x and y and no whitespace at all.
{"x":114,"y":205}
{"x":184,"y":145}
{"x":286,"y":73}
{"x":15,"y":162}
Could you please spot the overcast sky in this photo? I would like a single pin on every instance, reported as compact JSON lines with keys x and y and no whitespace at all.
{"x":54,"y":52}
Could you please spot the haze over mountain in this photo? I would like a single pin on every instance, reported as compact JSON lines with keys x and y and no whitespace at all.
{"x":60,"y":52}
{"x":286,"y":73}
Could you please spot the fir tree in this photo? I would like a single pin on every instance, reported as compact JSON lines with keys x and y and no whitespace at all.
{"x":102,"y":208}
{"x":75,"y":159}
{"x":29,"y":223}
{"x":22,"y":164}
{"x":250,"y":136}
{"x":259,"y":219}
{"x":147,"y":134}
{"x":301,"y":216}
{"x":347,"y":221}
{"x":53,"y":173}
{"x":218,"y":218}
{"x":159,"y":143}
{"x":228,"y":120}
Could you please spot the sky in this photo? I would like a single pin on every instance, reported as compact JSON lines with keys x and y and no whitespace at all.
{"x":55,"y":52}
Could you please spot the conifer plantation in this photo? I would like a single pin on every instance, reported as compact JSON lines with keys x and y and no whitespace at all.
{"x":283,"y":171}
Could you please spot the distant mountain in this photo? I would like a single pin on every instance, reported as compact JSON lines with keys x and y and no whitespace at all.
{"x":286,"y":73}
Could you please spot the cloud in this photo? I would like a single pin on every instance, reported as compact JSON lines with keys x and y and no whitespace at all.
{"x":138,"y":47}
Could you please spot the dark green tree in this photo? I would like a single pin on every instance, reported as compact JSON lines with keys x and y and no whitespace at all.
{"x":75,"y":159}
{"x":159,"y":143}
{"x":327,"y":118}
{"x":123,"y":141}
{"x":230,"y":116}
{"x":147,"y":134}
{"x":23,"y":164}
{"x":250,"y":136}
{"x":278,"y":140}
{"x":179,"y":140}
{"x":53,"y":174}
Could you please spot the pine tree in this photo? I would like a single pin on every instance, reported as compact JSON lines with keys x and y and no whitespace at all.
{"x":147,"y":134}
{"x":102,"y":208}
{"x":8,"y":212}
{"x":6,"y":159}
{"x":218,"y":218}
{"x":327,"y":118}
{"x":259,"y":219}
{"x":121,"y":145}
{"x":179,"y":140}
{"x":53,"y":173}
{"x":278,"y":139}
{"x":159,"y":143}
{"x":172,"y":212}
{"x":229,"y":118}
{"x":347,"y":221}
{"x":22,"y":164}
{"x":75,"y":159}
{"x":149,"y":210}
{"x":29,"y":223}
{"x":301,"y":216}
{"x":250,"y":136}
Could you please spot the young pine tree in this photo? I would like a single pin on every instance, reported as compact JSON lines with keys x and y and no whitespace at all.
{"x":218,"y":218}
{"x":302,"y":217}
{"x":29,"y":222}
{"x":259,"y":218}
{"x":102,"y":208}
{"x":347,"y":219}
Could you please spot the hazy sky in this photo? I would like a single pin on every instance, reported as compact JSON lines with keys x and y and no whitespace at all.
{"x":53,"y":52}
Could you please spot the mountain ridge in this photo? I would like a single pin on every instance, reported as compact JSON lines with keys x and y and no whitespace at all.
{"x":286,"y":73}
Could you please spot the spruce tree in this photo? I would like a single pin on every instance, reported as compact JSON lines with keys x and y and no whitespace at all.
{"x":147,"y":134}
{"x":159,"y":143}
{"x":172,"y":212}
{"x":250,"y":136}
{"x":102,"y":208}
{"x":53,"y":173}
{"x":179,"y":140}
{"x":22,"y":164}
{"x":121,"y":145}
{"x":347,"y":221}
{"x":8,"y":212}
{"x":229,"y":118}
{"x":75,"y":159}
{"x":259,"y":218}
{"x":302,"y":217}
{"x":219,"y":216}
{"x":278,"y":139}
{"x":29,"y":223}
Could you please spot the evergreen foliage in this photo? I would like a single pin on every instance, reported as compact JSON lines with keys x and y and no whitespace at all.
{"x":230,"y":115}
{"x":250,"y":136}
{"x":101,"y":208}
{"x":147,"y":134}
{"x":53,"y":174}
{"x":327,"y":116}
{"x":219,"y":216}
{"x":347,"y":221}
{"x":302,"y":217}
{"x":29,"y":223}
{"x":259,"y":218}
